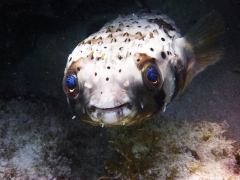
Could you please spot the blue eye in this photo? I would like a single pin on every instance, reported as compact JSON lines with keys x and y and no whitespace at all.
{"x":71,"y":82}
{"x":152,"y":75}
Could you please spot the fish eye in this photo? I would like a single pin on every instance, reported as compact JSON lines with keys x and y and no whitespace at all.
{"x":70,"y":84}
{"x":152,"y":77}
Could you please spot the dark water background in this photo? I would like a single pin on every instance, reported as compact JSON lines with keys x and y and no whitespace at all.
{"x":37,"y":36}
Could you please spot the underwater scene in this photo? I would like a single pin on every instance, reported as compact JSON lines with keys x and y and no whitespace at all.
{"x":128,"y":90}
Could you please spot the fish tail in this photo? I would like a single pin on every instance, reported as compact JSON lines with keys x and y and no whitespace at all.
{"x":203,"y":45}
{"x":204,"y":38}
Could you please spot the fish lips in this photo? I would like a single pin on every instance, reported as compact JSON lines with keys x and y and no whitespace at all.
{"x":110,"y":115}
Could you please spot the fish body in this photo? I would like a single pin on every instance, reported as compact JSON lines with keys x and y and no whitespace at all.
{"x":134,"y":66}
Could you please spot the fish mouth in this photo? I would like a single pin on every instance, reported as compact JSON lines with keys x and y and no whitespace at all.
{"x":128,"y":105}
{"x":110,"y":115}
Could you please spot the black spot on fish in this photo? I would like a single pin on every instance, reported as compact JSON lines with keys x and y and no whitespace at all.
{"x":139,"y":33}
{"x":120,"y":48}
{"x":151,"y":49}
{"x":113,"y":40}
{"x":138,"y":60}
{"x":163,"y":55}
{"x":162,"y":24}
{"x":107,"y":79}
{"x":88,"y":42}
{"x":168,"y":53}
{"x":95,"y":74}
{"x":119,"y":57}
{"x":162,"y":39}
{"x":139,"y":26}
{"x":108,"y":30}
{"x":70,"y":59}
{"x":127,"y":25}
{"x":78,"y":68}
{"x":110,"y":36}
{"x":108,"y":67}
{"x":105,"y":47}
{"x":120,"y":70}
{"x":135,"y":22}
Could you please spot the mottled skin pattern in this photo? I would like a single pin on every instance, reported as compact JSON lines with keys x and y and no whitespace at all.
{"x":110,"y":70}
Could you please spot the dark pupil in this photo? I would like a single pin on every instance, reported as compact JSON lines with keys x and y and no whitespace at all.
{"x":70,"y":82}
{"x":152,"y":75}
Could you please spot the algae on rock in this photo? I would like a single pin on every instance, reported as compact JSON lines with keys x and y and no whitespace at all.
{"x":167,"y":149}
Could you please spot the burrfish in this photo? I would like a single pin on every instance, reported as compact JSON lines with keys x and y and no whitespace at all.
{"x":135,"y":65}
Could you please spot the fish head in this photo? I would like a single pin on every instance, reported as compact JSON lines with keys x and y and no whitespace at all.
{"x":118,"y":91}
{"x":125,"y":73}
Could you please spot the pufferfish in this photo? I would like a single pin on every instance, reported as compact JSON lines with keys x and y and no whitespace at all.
{"x":133,"y":67}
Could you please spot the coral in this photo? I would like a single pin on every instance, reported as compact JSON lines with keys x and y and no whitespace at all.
{"x":38,"y":139}
{"x":166,"y":149}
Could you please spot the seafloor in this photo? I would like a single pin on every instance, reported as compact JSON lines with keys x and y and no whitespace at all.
{"x":38,"y":137}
